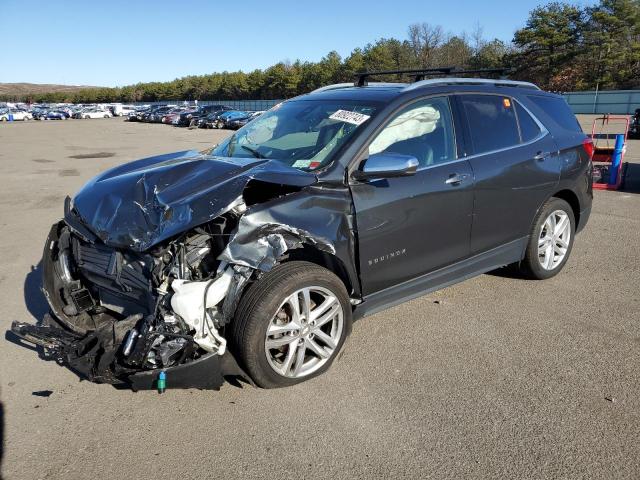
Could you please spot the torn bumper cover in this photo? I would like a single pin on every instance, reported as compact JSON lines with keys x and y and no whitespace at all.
{"x":152,"y":258}
{"x":93,"y":355}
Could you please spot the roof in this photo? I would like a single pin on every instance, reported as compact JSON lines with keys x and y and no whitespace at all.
{"x":347,"y":91}
{"x":386,"y":91}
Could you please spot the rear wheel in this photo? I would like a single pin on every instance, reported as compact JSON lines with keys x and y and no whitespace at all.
{"x":291,"y":324}
{"x":550,"y":241}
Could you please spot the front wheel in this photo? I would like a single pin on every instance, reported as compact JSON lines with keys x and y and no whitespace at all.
{"x":291,"y":324}
{"x":550,"y":241}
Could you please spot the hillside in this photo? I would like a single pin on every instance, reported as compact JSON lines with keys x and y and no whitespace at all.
{"x":20,"y":89}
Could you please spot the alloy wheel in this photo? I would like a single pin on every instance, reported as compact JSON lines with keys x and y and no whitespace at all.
{"x":305,"y":332}
{"x":554,"y":239}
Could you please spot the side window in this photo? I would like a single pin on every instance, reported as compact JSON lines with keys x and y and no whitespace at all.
{"x":492,"y":122}
{"x":529,"y":129}
{"x":423,"y":130}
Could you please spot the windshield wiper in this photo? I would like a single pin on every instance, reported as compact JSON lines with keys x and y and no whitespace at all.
{"x":253,"y":151}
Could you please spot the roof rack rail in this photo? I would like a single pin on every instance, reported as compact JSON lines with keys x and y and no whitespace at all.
{"x":470,"y":81}
{"x":337,"y":86}
{"x":334,"y":86}
{"x":422,"y":73}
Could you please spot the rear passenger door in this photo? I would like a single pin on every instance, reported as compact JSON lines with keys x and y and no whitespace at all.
{"x":515,"y":164}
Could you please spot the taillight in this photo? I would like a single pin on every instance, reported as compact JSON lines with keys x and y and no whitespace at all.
{"x":587,"y":144}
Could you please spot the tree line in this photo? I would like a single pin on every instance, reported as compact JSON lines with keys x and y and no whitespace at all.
{"x":562,"y":47}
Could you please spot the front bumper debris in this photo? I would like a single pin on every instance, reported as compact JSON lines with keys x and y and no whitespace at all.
{"x":91,"y":356}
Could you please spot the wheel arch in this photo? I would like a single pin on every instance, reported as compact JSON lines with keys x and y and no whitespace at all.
{"x":324,"y":259}
{"x":572,"y":199}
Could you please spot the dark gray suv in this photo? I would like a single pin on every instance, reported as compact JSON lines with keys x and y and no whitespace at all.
{"x":254,"y":258}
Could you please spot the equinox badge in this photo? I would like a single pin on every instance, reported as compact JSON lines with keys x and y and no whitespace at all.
{"x":388,"y":256}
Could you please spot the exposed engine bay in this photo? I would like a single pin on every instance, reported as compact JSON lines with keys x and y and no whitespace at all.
{"x":123,"y":314}
{"x":166,"y":305}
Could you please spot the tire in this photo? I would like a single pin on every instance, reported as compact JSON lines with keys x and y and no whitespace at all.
{"x":539,"y":266}
{"x":264,"y":307}
{"x":219,"y":125}
{"x":106,"y":116}
{"x":25,"y":119}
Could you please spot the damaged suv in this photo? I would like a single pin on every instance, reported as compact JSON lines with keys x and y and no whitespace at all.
{"x":254,"y":258}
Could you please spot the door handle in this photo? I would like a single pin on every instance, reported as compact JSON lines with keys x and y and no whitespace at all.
{"x":541,"y":156}
{"x":456,"y":178}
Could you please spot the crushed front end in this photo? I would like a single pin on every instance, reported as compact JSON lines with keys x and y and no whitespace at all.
{"x":147,"y":268}
{"x":119,"y":314}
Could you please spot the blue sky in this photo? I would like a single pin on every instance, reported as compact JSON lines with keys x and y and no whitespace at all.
{"x":119,"y":42}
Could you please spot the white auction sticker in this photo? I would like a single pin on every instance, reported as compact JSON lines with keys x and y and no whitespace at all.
{"x":354,"y":118}
{"x":301,"y":164}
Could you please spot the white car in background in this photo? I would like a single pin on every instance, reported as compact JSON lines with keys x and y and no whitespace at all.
{"x":95,"y":113}
{"x":17,"y":115}
{"x":120,"y":110}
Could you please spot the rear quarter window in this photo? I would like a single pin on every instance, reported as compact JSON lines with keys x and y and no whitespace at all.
{"x":558,"y":110}
{"x":529,"y":129}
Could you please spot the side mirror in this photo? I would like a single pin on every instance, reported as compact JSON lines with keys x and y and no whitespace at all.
{"x":387,"y":165}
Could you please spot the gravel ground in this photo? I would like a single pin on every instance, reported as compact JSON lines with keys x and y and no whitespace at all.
{"x":491,"y":378}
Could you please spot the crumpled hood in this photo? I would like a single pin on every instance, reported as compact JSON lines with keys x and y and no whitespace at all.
{"x":141,"y":203}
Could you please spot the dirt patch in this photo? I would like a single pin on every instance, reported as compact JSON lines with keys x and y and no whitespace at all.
{"x":70,"y":172}
{"x":41,"y":160}
{"x":93,"y":155}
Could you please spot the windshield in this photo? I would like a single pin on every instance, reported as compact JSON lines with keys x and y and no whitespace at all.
{"x":303,"y":134}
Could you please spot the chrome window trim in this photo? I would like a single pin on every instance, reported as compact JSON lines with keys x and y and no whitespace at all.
{"x":491,"y":152}
{"x":448,"y":162}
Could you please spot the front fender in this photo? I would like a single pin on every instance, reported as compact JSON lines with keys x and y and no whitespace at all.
{"x":319,"y":216}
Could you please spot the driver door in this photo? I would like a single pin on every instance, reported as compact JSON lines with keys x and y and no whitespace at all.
{"x":412,"y":225}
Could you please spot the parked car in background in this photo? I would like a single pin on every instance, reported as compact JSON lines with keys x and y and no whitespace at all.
{"x":39,"y":113}
{"x":191,"y":117}
{"x":634,"y":126}
{"x":236,"y":123}
{"x":172,"y":115}
{"x":224,"y":117}
{"x":18,"y":115}
{"x":93,"y":113}
{"x":138,"y":113}
{"x":56,"y":115}
{"x":209,"y":121}
{"x":122,"y":110}
{"x":66,"y":110}
{"x":155,"y":114}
